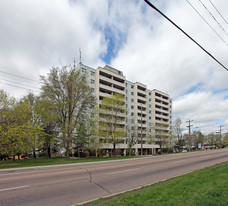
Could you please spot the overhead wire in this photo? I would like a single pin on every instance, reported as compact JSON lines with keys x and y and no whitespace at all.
{"x":156,"y":9}
{"x":19,"y":76}
{"x":218,"y":11}
{"x":19,"y":87}
{"x":213,"y":17}
{"x":19,"y":83}
{"x":207,"y":22}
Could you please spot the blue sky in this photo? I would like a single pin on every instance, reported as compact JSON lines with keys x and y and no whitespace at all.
{"x":127,"y":35}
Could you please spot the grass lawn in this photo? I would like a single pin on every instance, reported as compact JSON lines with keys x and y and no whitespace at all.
{"x":54,"y":161}
{"x":206,"y":187}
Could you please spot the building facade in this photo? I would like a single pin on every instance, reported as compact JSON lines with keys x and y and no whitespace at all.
{"x":149,"y":112}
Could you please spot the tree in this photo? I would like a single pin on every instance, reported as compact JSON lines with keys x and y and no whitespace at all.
{"x":132,"y":136}
{"x":225,"y":140}
{"x":32,"y":101}
{"x":178,"y":132}
{"x":50,"y":140}
{"x":112,"y":114}
{"x":197,"y":137}
{"x":67,"y":90}
{"x":213,"y":139}
{"x":162,"y":135}
{"x":17,"y":133}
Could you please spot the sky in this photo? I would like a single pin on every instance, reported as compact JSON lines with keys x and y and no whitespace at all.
{"x":129,"y":36}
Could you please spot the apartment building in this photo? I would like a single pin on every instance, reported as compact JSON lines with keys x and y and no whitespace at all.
{"x":149,"y":112}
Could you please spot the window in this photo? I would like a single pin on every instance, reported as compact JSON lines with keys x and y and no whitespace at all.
{"x":132,"y":100}
{"x":149,"y":93}
{"x":149,"y":105}
{"x":92,"y":89}
{"x":132,"y":114}
{"x":92,"y":81}
{"x":132,"y":86}
{"x":132,"y":120}
{"x":149,"y":111}
{"x":132,"y":93}
{"x":149,"y":99}
{"x":92,"y":73}
{"x":83,"y":70}
{"x":149,"y":117}
{"x":132,"y":107}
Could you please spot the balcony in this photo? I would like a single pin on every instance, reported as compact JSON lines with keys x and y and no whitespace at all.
{"x":141,"y":99}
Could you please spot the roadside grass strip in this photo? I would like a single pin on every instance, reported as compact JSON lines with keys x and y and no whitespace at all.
{"x":56,"y":161}
{"x":207,"y":187}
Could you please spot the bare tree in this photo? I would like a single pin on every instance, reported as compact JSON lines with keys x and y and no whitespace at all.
{"x":112,"y":114}
{"x":162,"y":135}
{"x":132,"y":136}
{"x":178,"y":132}
{"x":213,"y":139}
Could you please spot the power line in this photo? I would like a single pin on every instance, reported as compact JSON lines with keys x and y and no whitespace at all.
{"x":218,"y":12}
{"x":18,"y":83}
{"x":206,"y":22}
{"x":19,"y":76}
{"x":213,"y":17}
{"x":152,"y":6}
{"x":19,"y":87}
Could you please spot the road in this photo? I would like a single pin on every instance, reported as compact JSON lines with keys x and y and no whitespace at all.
{"x":77,"y":183}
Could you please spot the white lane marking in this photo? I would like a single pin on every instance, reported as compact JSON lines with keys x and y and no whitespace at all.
{"x":123,"y":171}
{"x":13,"y":188}
{"x":179,"y":161}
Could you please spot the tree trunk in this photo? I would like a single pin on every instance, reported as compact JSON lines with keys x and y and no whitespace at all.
{"x":130,"y":150}
{"x":34,"y":153}
{"x":114,"y":150}
{"x":49,"y":151}
{"x":67,"y":149}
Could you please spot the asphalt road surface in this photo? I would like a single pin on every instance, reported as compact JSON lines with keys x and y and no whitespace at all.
{"x":78,"y":183}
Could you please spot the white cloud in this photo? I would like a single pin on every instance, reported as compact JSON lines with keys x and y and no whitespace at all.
{"x":36,"y":35}
{"x":40,"y":34}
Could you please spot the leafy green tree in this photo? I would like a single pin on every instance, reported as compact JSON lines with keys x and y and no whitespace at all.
{"x":32,"y":101}
{"x":225,"y":140}
{"x":48,"y":118}
{"x":67,"y":90}
{"x":112,"y":114}
{"x":17,"y":133}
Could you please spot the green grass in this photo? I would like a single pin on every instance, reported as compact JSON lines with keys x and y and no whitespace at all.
{"x":206,"y":187}
{"x":54,"y":161}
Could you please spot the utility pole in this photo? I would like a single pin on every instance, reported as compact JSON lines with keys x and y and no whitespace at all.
{"x":189,"y":126}
{"x":80,"y":56}
{"x":189,"y":129}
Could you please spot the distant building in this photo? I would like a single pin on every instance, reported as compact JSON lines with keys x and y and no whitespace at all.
{"x":150,"y":111}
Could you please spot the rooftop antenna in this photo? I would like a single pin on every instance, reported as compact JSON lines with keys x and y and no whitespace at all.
{"x":80,"y":55}
{"x":74,"y":62}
